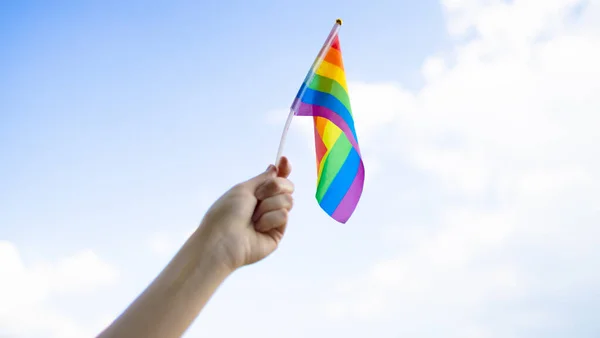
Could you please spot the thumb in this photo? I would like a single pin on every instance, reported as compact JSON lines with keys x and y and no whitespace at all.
{"x":256,"y":181}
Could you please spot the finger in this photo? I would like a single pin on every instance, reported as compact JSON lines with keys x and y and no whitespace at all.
{"x":284,"y":168}
{"x":272,"y":220}
{"x":256,"y":181}
{"x":281,"y":201}
{"x":274,"y":186}
{"x":277,"y":233}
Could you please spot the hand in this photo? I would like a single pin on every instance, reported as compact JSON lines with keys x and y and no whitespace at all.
{"x":248,"y":222}
{"x":244,"y":226}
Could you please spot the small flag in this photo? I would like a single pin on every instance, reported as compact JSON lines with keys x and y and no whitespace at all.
{"x":324,"y":96}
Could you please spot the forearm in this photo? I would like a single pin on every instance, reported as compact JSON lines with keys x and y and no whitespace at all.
{"x":171,"y":303}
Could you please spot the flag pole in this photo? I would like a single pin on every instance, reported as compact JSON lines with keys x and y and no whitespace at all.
{"x":307,"y":81}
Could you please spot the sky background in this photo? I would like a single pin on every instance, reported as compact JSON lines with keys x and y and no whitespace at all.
{"x":122,"y":121}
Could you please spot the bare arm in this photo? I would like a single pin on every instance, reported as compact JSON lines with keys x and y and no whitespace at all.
{"x":174,"y":299}
{"x":244,"y":226}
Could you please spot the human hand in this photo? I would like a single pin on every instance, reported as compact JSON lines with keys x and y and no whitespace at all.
{"x":242,"y":227}
{"x":248,"y":222}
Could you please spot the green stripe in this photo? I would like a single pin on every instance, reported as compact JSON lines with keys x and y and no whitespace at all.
{"x":333,"y":163}
{"x":330,"y":86}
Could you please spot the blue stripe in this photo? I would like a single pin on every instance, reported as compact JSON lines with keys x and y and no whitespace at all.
{"x":330,"y":102}
{"x":341,"y":183}
{"x":302,"y":87}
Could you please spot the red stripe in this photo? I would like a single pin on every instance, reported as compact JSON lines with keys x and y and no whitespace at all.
{"x":336,"y":43}
{"x":320,"y":147}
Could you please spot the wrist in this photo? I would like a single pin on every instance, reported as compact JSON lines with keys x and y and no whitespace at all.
{"x":209,"y":246}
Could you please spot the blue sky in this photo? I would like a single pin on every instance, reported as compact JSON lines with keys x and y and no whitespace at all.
{"x":141,"y":98}
{"x":120,"y":122}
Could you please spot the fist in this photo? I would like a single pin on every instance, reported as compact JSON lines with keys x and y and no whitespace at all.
{"x":248,"y":222}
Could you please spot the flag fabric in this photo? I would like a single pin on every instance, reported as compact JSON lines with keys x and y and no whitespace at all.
{"x":340,"y":169}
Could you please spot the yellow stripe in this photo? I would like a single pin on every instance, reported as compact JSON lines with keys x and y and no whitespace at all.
{"x":321,"y":167}
{"x":323,"y":160}
{"x":331,"y":133}
{"x":334,"y":72}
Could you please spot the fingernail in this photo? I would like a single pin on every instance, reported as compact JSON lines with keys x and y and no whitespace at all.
{"x":270,"y":168}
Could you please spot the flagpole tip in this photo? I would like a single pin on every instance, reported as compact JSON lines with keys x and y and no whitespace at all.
{"x":338,"y":21}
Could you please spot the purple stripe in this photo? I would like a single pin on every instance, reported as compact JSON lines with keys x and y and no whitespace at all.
{"x":303,"y":109}
{"x":348,"y":204}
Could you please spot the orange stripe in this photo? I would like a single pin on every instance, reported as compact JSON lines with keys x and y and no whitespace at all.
{"x":320,"y":125}
{"x":334,"y":56}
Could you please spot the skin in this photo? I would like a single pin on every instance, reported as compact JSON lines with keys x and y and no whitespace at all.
{"x":242,"y":227}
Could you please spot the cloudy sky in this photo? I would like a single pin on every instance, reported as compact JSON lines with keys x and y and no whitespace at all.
{"x":120,"y":122}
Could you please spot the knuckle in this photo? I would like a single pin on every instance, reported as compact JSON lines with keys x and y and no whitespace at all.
{"x":271,"y":220}
{"x":272,"y":185}
{"x":289,"y":200}
{"x":283,"y":216}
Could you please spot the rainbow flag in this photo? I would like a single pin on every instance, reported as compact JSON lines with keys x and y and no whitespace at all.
{"x":324,"y":96}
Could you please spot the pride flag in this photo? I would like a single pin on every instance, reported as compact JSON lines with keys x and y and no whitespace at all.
{"x":324,"y":96}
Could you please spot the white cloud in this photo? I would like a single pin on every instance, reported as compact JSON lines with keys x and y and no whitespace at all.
{"x":507,"y":129}
{"x":25,"y":291}
{"x":433,"y":68}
